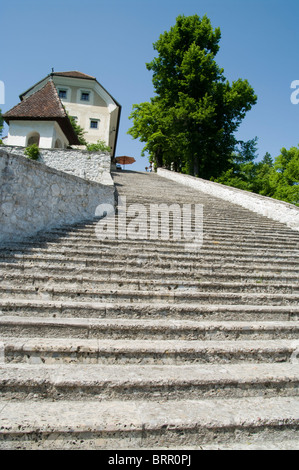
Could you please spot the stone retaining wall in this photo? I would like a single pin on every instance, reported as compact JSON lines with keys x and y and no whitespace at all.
{"x":93,"y":166}
{"x":272,"y":208}
{"x":35,"y":197}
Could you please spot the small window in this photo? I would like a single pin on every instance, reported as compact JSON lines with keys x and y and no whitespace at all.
{"x":62,"y":94}
{"x":84,"y":96}
{"x":94,"y":124}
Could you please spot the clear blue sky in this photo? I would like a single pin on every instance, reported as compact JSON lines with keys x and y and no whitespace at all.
{"x":112,"y":40}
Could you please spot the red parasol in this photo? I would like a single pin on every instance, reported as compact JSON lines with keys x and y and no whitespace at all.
{"x":124,"y":160}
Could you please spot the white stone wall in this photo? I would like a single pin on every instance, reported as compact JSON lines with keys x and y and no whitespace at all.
{"x":58,"y":134}
{"x":35,"y":197}
{"x":48,"y":131}
{"x":272,"y":208}
{"x":91,"y":166}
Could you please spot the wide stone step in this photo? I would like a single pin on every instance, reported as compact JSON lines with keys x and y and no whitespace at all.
{"x":105,"y":351}
{"x":154,"y":231}
{"x":223,"y":236}
{"x":175,"y":296}
{"x":10,"y":281}
{"x":131,"y":269}
{"x":142,"y":424}
{"x":247,"y":222}
{"x":150,"y":382}
{"x":234,"y":230}
{"x":178,"y":250}
{"x":40,"y":327}
{"x":163,"y":310}
{"x":93,"y":242}
{"x":155,"y":262}
{"x":94,"y":258}
{"x":247,"y":225}
{"x":165,"y":241}
{"x":213,"y":255}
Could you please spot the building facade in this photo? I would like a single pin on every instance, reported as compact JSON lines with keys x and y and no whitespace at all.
{"x":81,"y":96}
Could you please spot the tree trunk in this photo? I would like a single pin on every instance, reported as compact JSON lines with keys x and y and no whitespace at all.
{"x":159,"y":158}
{"x":195,"y":165}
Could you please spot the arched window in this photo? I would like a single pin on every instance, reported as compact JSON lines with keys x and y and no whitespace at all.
{"x":33,"y":138}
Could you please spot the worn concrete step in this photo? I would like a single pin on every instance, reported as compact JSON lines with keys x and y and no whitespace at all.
{"x":132,"y":268}
{"x":211,"y":223}
{"x":40,"y":327}
{"x":230,"y":220}
{"x":147,"y":240}
{"x":163,"y":310}
{"x":178,"y":193}
{"x":142,"y":424}
{"x":105,"y":351}
{"x":230,"y":223}
{"x":155,"y":246}
{"x":134,"y":296}
{"x":97,"y":257}
{"x":120,"y":250}
{"x":163,"y":241}
{"x":155,"y":262}
{"x":149,"y":382}
{"x":154,"y":230}
{"x":209,"y":273}
{"x":12,"y":281}
{"x":222,"y":236}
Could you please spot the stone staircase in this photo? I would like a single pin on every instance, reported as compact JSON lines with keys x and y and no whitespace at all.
{"x":139,"y":344}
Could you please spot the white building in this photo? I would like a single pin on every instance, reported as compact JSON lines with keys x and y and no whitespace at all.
{"x":38,"y":117}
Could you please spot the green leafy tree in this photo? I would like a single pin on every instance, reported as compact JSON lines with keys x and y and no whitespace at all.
{"x":284,"y":178}
{"x":241,"y":173}
{"x":278,"y":179}
{"x":267,"y":160}
{"x":154,"y":127}
{"x":263,"y":170}
{"x":192,"y":119}
{"x":287,"y":164}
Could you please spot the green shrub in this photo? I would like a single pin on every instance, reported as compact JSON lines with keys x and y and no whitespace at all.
{"x":32,"y":152}
{"x":100,"y":146}
{"x":78,"y":130}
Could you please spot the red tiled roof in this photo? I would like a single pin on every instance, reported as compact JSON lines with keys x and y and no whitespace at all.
{"x":74,"y":74}
{"x":44,"y":104}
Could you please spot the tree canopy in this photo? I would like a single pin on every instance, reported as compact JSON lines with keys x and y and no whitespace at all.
{"x":278,"y":179}
{"x":191,"y":120}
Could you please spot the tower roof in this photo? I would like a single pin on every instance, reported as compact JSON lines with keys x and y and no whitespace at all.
{"x":69,"y":74}
{"x":74,"y":74}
